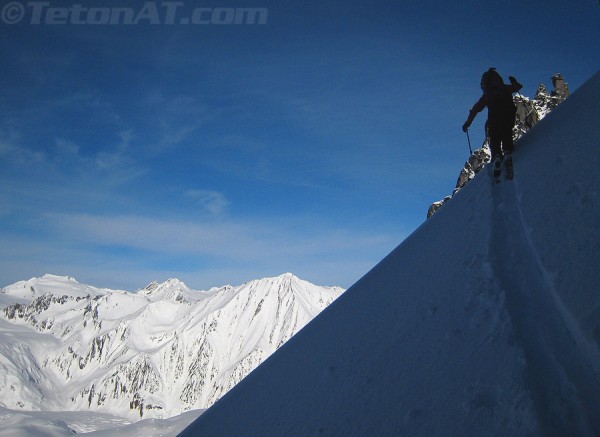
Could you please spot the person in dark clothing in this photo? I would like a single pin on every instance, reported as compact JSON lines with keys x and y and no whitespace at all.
{"x":497,"y":96}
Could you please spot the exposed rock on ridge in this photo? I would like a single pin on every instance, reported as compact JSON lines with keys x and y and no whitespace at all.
{"x":529,"y":113}
{"x":156,"y":353}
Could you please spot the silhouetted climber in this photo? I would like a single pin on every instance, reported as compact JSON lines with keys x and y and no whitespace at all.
{"x":497,"y":96}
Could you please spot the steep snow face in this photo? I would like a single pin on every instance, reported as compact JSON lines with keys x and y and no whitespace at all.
{"x":485,"y":321}
{"x":155,"y":353}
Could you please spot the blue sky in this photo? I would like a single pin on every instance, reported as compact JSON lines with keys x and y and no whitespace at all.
{"x":217,"y":154}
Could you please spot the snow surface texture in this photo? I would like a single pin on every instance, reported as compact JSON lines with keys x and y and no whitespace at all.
{"x":66,"y":346}
{"x":91,"y":424}
{"x":485,"y":321}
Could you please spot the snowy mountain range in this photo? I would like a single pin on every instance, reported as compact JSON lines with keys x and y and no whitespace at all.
{"x":529,"y":113}
{"x":483,"y":322}
{"x":166,"y":349}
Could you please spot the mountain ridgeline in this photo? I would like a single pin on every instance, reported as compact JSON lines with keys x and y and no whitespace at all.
{"x":156,"y":353}
{"x":529,"y":113}
{"x":484,"y":321}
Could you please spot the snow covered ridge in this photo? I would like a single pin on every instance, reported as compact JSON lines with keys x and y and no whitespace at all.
{"x":529,"y":113}
{"x":500,"y":338}
{"x":166,"y":349}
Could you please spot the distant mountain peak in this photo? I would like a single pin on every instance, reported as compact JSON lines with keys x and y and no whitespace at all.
{"x":49,"y":276}
{"x":155,"y":353}
{"x":155,"y":286}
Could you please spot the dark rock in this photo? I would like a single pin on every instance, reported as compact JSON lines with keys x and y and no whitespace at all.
{"x":529,"y":113}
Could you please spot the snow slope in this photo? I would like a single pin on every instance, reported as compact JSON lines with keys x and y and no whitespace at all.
{"x":14,"y":423}
{"x":485,"y":321}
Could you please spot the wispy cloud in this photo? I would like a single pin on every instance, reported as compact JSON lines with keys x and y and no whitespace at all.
{"x":119,"y":155}
{"x":240,"y":240}
{"x":13,"y":153}
{"x":129,"y":251}
{"x":212,"y":201}
{"x":172,"y":119}
{"x":65,"y":174}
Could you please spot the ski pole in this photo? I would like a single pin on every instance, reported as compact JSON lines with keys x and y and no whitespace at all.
{"x":469,"y":140}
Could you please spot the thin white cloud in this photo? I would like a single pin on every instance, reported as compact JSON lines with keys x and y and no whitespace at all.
{"x":12,"y":152}
{"x":66,"y":147}
{"x":119,"y":156}
{"x":212,"y":201}
{"x":237,"y":241}
{"x":173,"y":118}
{"x":129,"y":252}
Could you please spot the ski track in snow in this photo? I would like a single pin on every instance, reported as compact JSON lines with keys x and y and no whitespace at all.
{"x":484,"y":321}
{"x":558,"y":357}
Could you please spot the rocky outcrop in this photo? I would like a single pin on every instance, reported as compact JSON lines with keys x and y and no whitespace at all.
{"x":155,"y":353}
{"x":529,"y":113}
